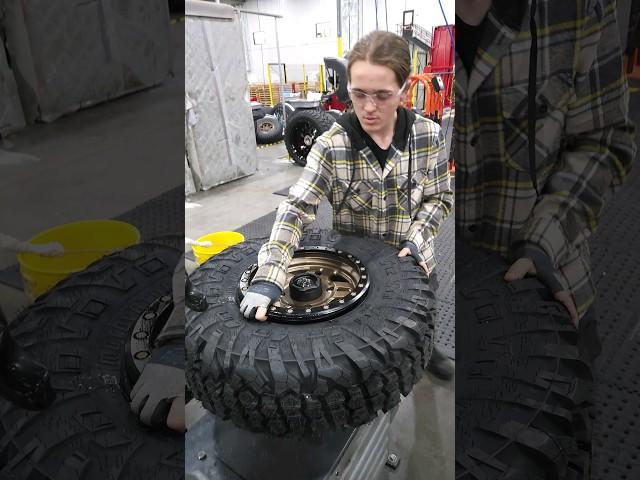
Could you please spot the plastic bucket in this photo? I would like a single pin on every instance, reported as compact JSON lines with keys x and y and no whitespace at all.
{"x":84,"y":243}
{"x":219,"y":242}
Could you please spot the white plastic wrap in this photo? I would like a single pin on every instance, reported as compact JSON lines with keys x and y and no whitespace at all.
{"x":220,"y":137}
{"x":11,"y":115}
{"x":71,"y":54}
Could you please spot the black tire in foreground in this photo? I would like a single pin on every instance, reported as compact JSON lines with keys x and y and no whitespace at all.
{"x":80,"y":331}
{"x":523,"y":389}
{"x":304,"y":379}
{"x":302,"y":130}
{"x":268,"y":130}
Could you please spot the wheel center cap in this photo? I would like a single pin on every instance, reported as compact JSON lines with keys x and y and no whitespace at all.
{"x":305,"y":287}
{"x":308,"y":140}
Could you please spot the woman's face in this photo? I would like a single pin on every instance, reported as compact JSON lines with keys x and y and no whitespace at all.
{"x":377,"y":111}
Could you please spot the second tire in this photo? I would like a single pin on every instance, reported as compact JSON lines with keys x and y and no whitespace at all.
{"x":302,"y":130}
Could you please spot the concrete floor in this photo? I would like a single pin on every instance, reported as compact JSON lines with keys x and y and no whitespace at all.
{"x":251,"y":197}
{"x":423,"y":432}
{"x":95,"y":163}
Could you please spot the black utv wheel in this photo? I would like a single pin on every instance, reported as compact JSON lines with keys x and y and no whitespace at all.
{"x":302,"y":130}
{"x":268,"y":130}
{"x":277,"y":112}
{"x":353,"y":342}
{"x":523,"y":388}
{"x":93,"y":332}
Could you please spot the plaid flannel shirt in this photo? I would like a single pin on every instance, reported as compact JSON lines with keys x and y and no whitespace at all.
{"x":584,"y":139}
{"x":377,"y":204}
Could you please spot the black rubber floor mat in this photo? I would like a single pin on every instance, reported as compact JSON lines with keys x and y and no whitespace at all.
{"x":162,"y":215}
{"x":616,"y":263}
{"x":261,"y":227}
{"x":615,"y":325}
{"x":616,"y":438}
{"x":446,"y":324}
{"x":11,"y":276}
{"x":445,"y":268}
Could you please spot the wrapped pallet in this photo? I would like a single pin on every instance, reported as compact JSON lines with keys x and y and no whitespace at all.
{"x":11,"y":116}
{"x":220,"y":138}
{"x":71,"y":54}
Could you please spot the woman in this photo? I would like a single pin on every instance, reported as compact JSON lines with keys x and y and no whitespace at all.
{"x":382,"y":167}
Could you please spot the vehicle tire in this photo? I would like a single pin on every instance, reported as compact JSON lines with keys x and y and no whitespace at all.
{"x":303,"y":379}
{"x":258,"y":113}
{"x":80,"y":330}
{"x":268,"y":130}
{"x":302,"y":130}
{"x":277,"y":112}
{"x":523,"y":388}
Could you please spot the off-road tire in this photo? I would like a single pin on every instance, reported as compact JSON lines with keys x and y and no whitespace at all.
{"x":304,"y":379}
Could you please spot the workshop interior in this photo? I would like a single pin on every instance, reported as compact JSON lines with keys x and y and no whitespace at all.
{"x":302,"y":391}
{"x":140,"y":243}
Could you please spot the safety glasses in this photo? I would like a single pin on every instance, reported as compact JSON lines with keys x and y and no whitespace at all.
{"x":379,"y":99}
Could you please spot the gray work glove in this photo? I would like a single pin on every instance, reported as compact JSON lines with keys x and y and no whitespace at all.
{"x":259,"y":294}
{"x":161,"y":381}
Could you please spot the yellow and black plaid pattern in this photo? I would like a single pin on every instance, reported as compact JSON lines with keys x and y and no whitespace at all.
{"x":377,"y":204}
{"x":584,"y":140}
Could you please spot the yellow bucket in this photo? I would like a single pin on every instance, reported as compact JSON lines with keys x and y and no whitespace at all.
{"x":219,"y":242}
{"x":84,"y":243}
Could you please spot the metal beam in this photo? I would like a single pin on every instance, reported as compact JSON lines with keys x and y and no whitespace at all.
{"x":254,"y":12}
{"x":339,"y":28}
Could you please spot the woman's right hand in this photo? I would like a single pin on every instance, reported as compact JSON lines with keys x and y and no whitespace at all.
{"x":258,"y":298}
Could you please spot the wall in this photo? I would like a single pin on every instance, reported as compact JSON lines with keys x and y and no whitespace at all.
{"x":298,"y":42}
{"x":296,"y":31}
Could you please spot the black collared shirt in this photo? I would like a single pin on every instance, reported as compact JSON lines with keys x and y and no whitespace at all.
{"x":467,"y":40}
{"x":383,"y":154}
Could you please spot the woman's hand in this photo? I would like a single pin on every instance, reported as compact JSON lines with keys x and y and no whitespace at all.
{"x":258,"y":298}
{"x":525,"y":266}
{"x":408,"y":250}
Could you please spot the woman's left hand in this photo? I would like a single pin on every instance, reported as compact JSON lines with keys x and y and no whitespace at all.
{"x":407,"y":251}
{"x":526,"y":266}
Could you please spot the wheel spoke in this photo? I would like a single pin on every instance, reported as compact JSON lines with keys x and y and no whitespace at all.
{"x":343,"y":286}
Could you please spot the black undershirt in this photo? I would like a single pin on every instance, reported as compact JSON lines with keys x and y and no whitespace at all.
{"x":382,"y":154}
{"x":467,"y":40}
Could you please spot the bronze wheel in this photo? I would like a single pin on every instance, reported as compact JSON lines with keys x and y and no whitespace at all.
{"x":322,"y":283}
